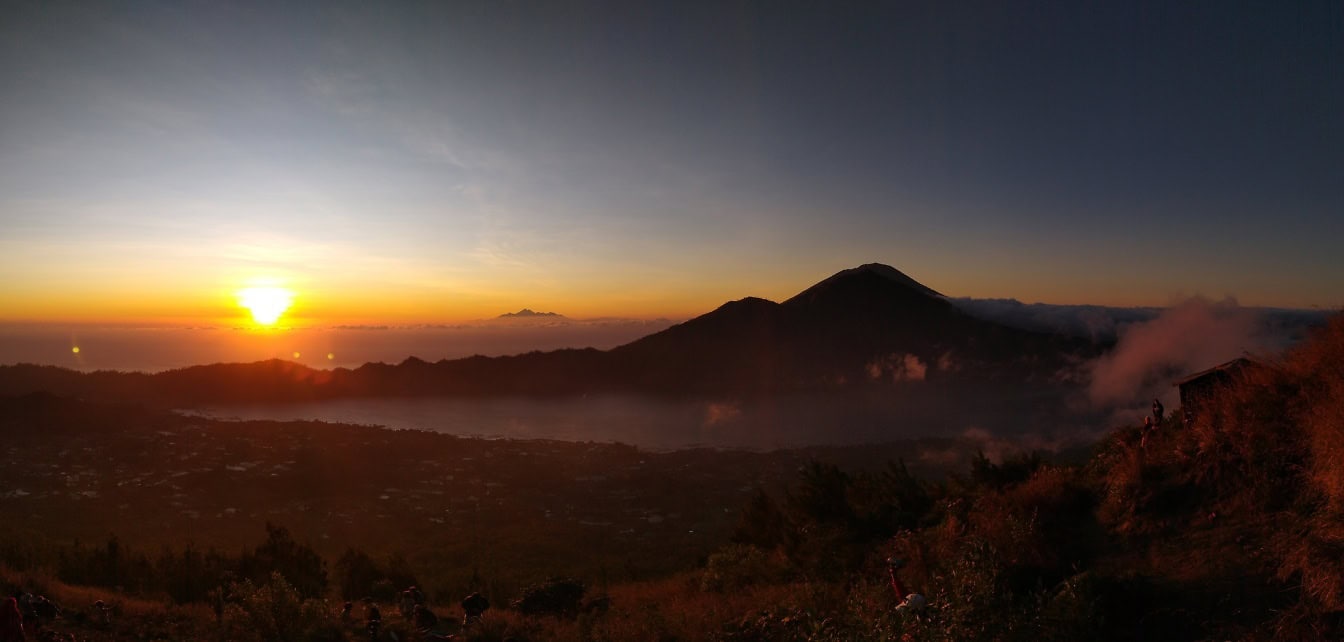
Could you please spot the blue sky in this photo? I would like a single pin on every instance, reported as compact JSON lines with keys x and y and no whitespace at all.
{"x":442,"y":161}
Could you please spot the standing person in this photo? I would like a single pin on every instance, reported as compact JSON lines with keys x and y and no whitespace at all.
{"x":104,"y":613}
{"x":375,"y":618}
{"x":407,"y":604}
{"x":11,"y":621}
{"x":1158,"y":412}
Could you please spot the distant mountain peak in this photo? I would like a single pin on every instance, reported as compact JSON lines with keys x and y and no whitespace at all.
{"x":869,"y":273}
{"x":750,"y":302}
{"x":887,"y":272}
{"x":528,"y":313}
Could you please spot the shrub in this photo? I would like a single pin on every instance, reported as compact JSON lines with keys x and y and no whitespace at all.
{"x":558,"y":596}
{"x":274,"y":611}
{"x":737,"y":566}
{"x":1014,"y":469}
{"x":299,"y":564}
{"x":1319,"y":366}
{"x":761,"y":524}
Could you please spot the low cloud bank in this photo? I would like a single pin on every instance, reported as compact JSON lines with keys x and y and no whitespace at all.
{"x":1105,"y":324}
{"x":1153,"y":347}
{"x":1188,"y":337}
{"x":1194,"y":335}
{"x":1095,"y":322}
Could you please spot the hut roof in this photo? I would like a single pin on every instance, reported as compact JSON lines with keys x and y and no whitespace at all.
{"x":1233,"y":365}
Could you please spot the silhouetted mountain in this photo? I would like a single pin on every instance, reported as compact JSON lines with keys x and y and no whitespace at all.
{"x":867,"y":273}
{"x":528,"y":313}
{"x":870,"y":323}
{"x":863,"y":327}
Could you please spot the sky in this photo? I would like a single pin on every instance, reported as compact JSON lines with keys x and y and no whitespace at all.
{"x":436,"y":162}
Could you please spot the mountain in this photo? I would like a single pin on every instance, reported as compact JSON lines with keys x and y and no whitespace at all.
{"x":528,"y":313}
{"x":860,"y":328}
{"x":869,"y":273}
{"x":868,"y":323}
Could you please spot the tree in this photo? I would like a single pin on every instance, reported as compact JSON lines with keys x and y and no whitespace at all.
{"x":356,"y":574}
{"x":298,"y":563}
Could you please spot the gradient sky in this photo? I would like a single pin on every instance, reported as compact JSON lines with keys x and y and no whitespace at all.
{"x":432,"y":162}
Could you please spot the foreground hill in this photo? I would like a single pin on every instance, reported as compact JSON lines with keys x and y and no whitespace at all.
{"x":864,"y":327}
{"x":1229,"y":527}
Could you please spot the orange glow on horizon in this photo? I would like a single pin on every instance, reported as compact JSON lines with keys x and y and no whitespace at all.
{"x":294,"y":300}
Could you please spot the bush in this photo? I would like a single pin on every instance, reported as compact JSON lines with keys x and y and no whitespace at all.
{"x":737,"y":566}
{"x":275,"y":612}
{"x":1319,"y":367}
{"x":299,"y":564}
{"x":559,"y":597}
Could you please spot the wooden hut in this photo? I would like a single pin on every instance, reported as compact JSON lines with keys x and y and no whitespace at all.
{"x":1198,"y":388}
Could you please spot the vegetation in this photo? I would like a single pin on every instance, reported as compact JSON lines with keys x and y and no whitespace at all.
{"x":1231,"y":527}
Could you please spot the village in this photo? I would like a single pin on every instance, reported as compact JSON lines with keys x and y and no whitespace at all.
{"x":458,"y":510}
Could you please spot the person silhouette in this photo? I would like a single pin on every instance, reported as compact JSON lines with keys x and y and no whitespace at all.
{"x":11,"y":621}
{"x":473,"y":607}
{"x":375,"y":618}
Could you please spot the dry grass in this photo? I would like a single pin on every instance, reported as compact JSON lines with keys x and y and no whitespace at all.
{"x":1319,"y":365}
{"x":131,"y":617}
{"x":78,"y":598}
{"x":670,"y":609}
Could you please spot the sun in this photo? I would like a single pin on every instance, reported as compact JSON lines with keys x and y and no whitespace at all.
{"x":265,"y":303}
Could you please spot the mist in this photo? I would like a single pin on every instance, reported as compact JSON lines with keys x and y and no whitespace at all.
{"x":1105,"y":324}
{"x":1194,"y":335}
{"x":1094,"y":322}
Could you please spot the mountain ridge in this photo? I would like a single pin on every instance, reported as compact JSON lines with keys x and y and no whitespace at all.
{"x":863,"y":326}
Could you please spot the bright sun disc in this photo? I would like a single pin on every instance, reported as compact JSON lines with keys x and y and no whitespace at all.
{"x":265,"y":304}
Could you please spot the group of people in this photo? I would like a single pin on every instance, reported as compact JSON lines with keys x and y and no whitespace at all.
{"x":415,"y":611}
{"x":26,"y":614}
